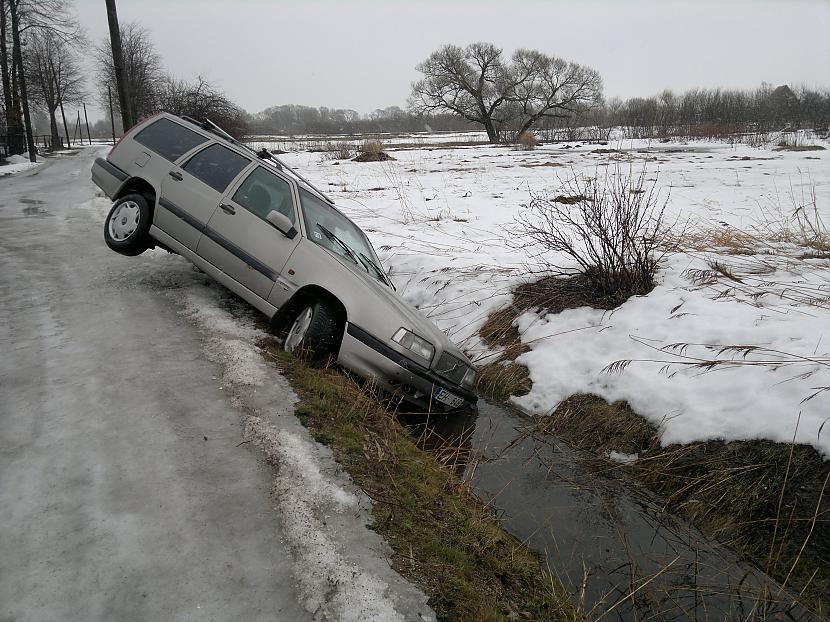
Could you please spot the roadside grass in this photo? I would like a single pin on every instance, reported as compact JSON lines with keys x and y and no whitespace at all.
{"x":768,"y":501}
{"x":443,"y":539}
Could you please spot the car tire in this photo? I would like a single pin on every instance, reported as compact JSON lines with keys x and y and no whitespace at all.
{"x":127,"y":226}
{"x":314,"y":331}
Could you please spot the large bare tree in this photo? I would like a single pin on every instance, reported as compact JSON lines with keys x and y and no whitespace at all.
{"x":471,"y":82}
{"x":476,"y":83}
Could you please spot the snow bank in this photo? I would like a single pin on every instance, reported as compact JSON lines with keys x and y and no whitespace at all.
{"x":18,"y":164}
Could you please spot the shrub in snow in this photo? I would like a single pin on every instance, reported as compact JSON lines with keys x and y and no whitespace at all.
{"x":527,"y":141}
{"x":610,"y":228}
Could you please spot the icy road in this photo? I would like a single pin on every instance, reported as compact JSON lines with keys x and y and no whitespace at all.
{"x":136,"y":416}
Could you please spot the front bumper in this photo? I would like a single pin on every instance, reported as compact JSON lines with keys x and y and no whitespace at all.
{"x":371,"y":358}
{"x":108,"y":177}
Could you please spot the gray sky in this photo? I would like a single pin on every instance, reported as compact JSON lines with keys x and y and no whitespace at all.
{"x":362,"y":54}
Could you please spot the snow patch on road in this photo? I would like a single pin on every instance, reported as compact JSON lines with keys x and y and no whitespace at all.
{"x":333,"y":582}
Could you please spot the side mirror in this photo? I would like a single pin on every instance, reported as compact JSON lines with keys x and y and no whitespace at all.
{"x":281,"y":222}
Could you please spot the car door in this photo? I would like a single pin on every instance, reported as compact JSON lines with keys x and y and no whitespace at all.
{"x":238,"y":238}
{"x":191,"y":192}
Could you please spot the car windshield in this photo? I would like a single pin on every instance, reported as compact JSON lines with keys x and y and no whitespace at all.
{"x":329,"y":228}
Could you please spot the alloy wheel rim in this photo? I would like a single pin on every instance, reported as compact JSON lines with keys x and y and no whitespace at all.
{"x":124,"y":220}
{"x":298,"y":329}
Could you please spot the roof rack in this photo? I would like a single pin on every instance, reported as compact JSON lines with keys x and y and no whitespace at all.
{"x":262,"y":154}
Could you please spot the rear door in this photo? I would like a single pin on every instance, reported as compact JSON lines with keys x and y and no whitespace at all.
{"x":191,"y":192}
{"x":241,"y":242}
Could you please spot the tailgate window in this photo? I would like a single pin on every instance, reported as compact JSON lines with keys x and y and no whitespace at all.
{"x":168,"y":139}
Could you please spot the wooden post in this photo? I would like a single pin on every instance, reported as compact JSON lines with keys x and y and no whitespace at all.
{"x":86,"y":119}
{"x":65,"y":128}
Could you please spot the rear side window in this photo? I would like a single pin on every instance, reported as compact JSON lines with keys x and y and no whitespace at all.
{"x":168,"y":139}
{"x":216,"y":166}
{"x":262,"y":192}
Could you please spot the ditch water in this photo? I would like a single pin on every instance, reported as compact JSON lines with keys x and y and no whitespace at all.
{"x":607,"y":540}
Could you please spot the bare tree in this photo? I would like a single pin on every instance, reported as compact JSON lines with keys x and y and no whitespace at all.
{"x":475,"y":83}
{"x":143,"y":71}
{"x":18,"y":20}
{"x":472,"y":82}
{"x":545,"y":87}
{"x":200,"y":99}
{"x":56,"y":77}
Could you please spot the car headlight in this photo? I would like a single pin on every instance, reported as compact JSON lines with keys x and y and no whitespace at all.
{"x":469,"y":379}
{"x":411,"y":341}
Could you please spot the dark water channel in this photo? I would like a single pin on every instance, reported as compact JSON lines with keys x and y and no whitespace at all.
{"x":606,"y":538}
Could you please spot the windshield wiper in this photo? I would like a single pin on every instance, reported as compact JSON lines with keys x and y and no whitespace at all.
{"x":375,"y":268}
{"x":359,"y":258}
{"x":333,"y":237}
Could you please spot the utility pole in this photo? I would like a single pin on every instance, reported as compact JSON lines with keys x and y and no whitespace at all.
{"x":118,"y":66}
{"x":112,"y":115}
{"x":86,"y":119}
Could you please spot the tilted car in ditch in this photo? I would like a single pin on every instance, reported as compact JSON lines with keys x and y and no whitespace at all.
{"x":267,"y":234}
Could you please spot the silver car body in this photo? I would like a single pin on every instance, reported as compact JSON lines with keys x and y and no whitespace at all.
{"x":272,"y":272}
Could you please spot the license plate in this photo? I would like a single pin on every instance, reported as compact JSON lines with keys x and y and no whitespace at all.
{"x":445,"y":397}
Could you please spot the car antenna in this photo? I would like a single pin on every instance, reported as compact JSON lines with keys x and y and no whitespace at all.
{"x":263,"y":154}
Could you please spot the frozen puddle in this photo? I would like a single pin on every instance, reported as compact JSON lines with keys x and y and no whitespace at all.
{"x":612,"y":547}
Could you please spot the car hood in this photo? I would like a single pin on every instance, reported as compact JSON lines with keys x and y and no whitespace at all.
{"x":416,"y":321}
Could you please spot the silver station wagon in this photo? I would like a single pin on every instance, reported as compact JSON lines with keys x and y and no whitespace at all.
{"x":264,"y":232}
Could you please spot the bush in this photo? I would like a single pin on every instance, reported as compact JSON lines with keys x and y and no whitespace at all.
{"x":613,"y":230}
{"x":527,"y":141}
{"x":339,"y":151}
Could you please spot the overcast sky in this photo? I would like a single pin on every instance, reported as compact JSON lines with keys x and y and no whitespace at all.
{"x":362,"y":55}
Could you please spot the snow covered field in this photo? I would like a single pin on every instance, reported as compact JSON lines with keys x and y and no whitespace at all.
{"x":444,"y":222}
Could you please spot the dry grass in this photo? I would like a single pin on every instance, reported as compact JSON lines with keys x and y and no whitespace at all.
{"x":527,"y":141}
{"x":786,"y":147}
{"x":372,"y":151}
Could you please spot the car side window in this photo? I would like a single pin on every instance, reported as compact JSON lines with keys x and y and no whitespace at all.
{"x":169,"y":139}
{"x":262,"y":192}
{"x":216,"y":165}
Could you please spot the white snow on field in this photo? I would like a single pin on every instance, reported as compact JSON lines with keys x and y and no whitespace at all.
{"x":18,"y":164}
{"x":444,"y":222}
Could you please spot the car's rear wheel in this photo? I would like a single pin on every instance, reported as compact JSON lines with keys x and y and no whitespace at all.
{"x":127,"y":227}
{"x":314,"y":331}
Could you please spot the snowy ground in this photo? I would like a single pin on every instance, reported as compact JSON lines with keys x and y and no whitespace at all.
{"x":444,"y":222}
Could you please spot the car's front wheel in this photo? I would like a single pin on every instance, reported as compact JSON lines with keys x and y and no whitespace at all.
{"x":127,"y":227}
{"x":314,"y":331}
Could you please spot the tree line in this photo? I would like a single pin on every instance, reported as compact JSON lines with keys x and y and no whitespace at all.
{"x":461,"y":88}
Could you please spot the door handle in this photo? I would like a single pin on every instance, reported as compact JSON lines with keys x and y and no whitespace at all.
{"x":228,"y":209}
{"x":176,"y":175}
